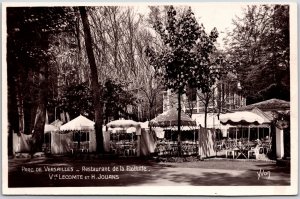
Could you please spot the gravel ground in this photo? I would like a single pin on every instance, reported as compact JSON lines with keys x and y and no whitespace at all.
{"x":86,"y":171}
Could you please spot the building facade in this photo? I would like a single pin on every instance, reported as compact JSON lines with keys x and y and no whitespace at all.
{"x":225,"y":96}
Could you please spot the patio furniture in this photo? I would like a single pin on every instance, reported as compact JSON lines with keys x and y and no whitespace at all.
{"x":169,"y":120}
{"x":255,"y":151}
{"x":266,"y":147}
{"x":241,"y":152}
{"x":219,"y":145}
{"x":125,"y":135}
{"x":231,"y":152}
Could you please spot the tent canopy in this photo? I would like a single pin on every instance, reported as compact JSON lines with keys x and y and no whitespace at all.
{"x":79,"y":123}
{"x":170,"y":118}
{"x":123,"y":124}
{"x":241,"y":118}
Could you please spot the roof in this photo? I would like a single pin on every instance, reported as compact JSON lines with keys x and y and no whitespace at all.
{"x":267,"y":118}
{"x":79,"y":123}
{"x":169,"y":118}
{"x":269,"y":105}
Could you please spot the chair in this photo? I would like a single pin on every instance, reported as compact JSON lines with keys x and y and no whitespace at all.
{"x":127,"y":152}
{"x":266,"y":147}
{"x":230,"y":152}
{"x":255,"y":151}
{"x":74,"y":147}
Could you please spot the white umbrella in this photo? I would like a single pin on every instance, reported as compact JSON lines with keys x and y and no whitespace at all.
{"x":115,"y":130}
{"x":123,"y":124}
{"x":131,"y":130}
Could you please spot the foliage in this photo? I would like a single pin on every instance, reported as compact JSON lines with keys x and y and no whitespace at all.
{"x":185,"y":59}
{"x":77,"y":99}
{"x":260,"y":44}
{"x":28,"y":28}
{"x":117,"y":99}
{"x":29,"y":62}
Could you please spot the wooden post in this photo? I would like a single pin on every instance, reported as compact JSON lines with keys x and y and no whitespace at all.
{"x":179,"y":123}
{"x":138,"y":133}
{"x":138,"y":149}
{"x":279,"y":143}
{"x":248,"y":133}
{"x":236,"y":134}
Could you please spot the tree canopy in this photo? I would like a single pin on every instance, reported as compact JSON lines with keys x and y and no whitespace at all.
{"x":260,"y":43}
{"x":185,"y":59}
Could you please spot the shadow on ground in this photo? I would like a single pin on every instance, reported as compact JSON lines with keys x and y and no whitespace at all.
{"x":202,"y":173}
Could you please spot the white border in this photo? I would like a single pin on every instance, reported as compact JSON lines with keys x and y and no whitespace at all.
{"x":160,"y":190}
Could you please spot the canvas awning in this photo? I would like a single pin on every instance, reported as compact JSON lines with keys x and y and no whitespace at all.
{"x":79,"y":123}
{"x":241,"y":118}
{"x":170,"y":118}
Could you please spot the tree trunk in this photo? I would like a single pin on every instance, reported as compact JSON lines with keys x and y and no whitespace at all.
{"x":206,"y":104}
{"x":40,"y":116}
{"x":96,"y":88}
{"x":19,"y":100}
{"x":12,"y":111}
{"x":205,"y":116}
{"x":179,"y":123}
{"x":273,"y":141}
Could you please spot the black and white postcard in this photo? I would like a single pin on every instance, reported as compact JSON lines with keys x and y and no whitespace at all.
{"x":149,"y":98}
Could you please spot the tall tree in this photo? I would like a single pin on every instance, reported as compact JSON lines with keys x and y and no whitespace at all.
{"x":260,"y":44}
{"x":96,"y":87}
{"x":185,"y":59}
{"x":29,"y":32}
